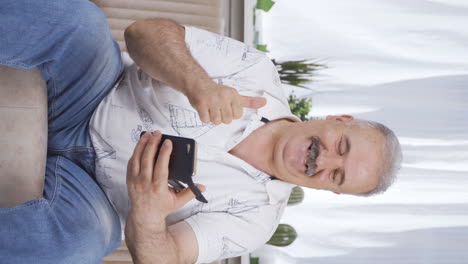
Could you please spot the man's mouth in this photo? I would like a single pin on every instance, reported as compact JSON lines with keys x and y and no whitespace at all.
{"x":312,"y":154}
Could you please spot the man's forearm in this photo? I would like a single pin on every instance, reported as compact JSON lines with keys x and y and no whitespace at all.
{"x":158,"y":47}
{"x":147,"y":245}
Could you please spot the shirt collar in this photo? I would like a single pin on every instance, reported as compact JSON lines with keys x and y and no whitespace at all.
{"x":277,"y":190}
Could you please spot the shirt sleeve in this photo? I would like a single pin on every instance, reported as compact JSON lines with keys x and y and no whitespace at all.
{"x":220,"y":56}
{"x":222,"y":235}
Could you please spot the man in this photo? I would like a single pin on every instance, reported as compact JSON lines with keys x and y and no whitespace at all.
{"x":169,"y":91}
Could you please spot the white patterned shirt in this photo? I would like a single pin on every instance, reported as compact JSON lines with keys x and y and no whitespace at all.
{"x":245,"y":205}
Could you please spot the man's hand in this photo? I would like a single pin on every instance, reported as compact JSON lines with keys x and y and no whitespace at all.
{"x":158,"y":47}
{"x":147,"y":180}
{"x":151,"y":202}
{"x":218,"y":104}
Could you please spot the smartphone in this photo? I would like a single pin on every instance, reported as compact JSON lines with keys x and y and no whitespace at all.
{"x":182,"y":164}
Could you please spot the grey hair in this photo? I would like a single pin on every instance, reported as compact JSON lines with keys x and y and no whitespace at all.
{"x":391,"y":155}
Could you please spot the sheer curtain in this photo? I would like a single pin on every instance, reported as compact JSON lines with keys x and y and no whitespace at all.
{"x":405,"y":64}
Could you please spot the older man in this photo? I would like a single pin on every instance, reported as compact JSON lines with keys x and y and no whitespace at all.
{"x":187,"y":82}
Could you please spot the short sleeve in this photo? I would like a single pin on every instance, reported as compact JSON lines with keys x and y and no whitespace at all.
{"x":222,"y":235}
{"x":220,"y":56}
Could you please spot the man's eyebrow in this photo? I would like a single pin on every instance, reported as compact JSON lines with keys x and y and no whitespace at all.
{"x":348,"y":145}
{"x":348,"y":148}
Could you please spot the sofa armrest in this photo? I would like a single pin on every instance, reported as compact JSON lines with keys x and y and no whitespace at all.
{"x":23,"y":130}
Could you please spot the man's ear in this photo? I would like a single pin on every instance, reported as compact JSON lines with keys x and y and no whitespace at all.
{"x":340,"y":117}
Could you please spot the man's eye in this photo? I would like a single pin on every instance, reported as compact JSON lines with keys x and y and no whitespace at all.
{"x":335,"y":173}
{"x":340,"y":147}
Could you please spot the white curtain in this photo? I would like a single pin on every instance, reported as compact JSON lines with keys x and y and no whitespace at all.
{"x":405,"y":64}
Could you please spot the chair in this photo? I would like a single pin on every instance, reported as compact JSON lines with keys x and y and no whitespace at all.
{"x":23,"y":97}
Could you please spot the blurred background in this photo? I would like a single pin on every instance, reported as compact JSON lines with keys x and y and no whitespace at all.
{"x":401,"y":63}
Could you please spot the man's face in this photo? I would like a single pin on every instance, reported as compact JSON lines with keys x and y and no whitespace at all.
{"x":348,"y":161}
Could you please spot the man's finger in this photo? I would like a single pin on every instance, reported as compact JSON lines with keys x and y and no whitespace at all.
{"x":134,"y":162}
{"x":161,"y":168}
{"x":237,"y":111}
{"x":186,"y":195}
{"x":147,"y":158}
{"x":204,"y":115}
{"x":201,"y":187}
{"x":253,"y":102}
{"x":236,"y":107}
{"x":215,"y":116}
{"x":226,"y":114}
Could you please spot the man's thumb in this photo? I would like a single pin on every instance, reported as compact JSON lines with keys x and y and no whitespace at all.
{"x":253,"y":102}
{"x":186,"y":195}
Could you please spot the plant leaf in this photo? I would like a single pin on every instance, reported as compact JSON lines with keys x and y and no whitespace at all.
{"x":262,"y":48}
{"x":265,"y":5}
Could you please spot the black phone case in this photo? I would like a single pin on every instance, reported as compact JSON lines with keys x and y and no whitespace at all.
{"x":181,"y":164}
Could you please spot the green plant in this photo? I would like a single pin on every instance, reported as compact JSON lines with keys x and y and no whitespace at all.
{"x":283,"y":236}
{"x":296,"y":196}
{"x":300,"y":106}
{"x":297,"y":73}
{"x":265,"y":5}
{"x":262,"y":47}
{"x":254,"y":260}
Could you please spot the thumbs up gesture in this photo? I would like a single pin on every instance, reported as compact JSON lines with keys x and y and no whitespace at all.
{"x":218,"y":103}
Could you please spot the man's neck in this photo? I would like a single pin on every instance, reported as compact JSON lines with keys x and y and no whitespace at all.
{"x":257,"y":148}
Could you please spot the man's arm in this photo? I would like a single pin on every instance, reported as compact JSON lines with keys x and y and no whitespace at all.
{"x":176,"y":243}
{"x":148,"y":238}
{"x":158,"y":47}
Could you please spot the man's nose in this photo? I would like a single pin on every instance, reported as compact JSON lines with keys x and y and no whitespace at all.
{"x":329,"y":160}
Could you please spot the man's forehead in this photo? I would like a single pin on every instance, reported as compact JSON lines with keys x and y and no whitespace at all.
{"x":365,"y":158}
{"x":365,"y":135}
{"x":362,"y":177}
